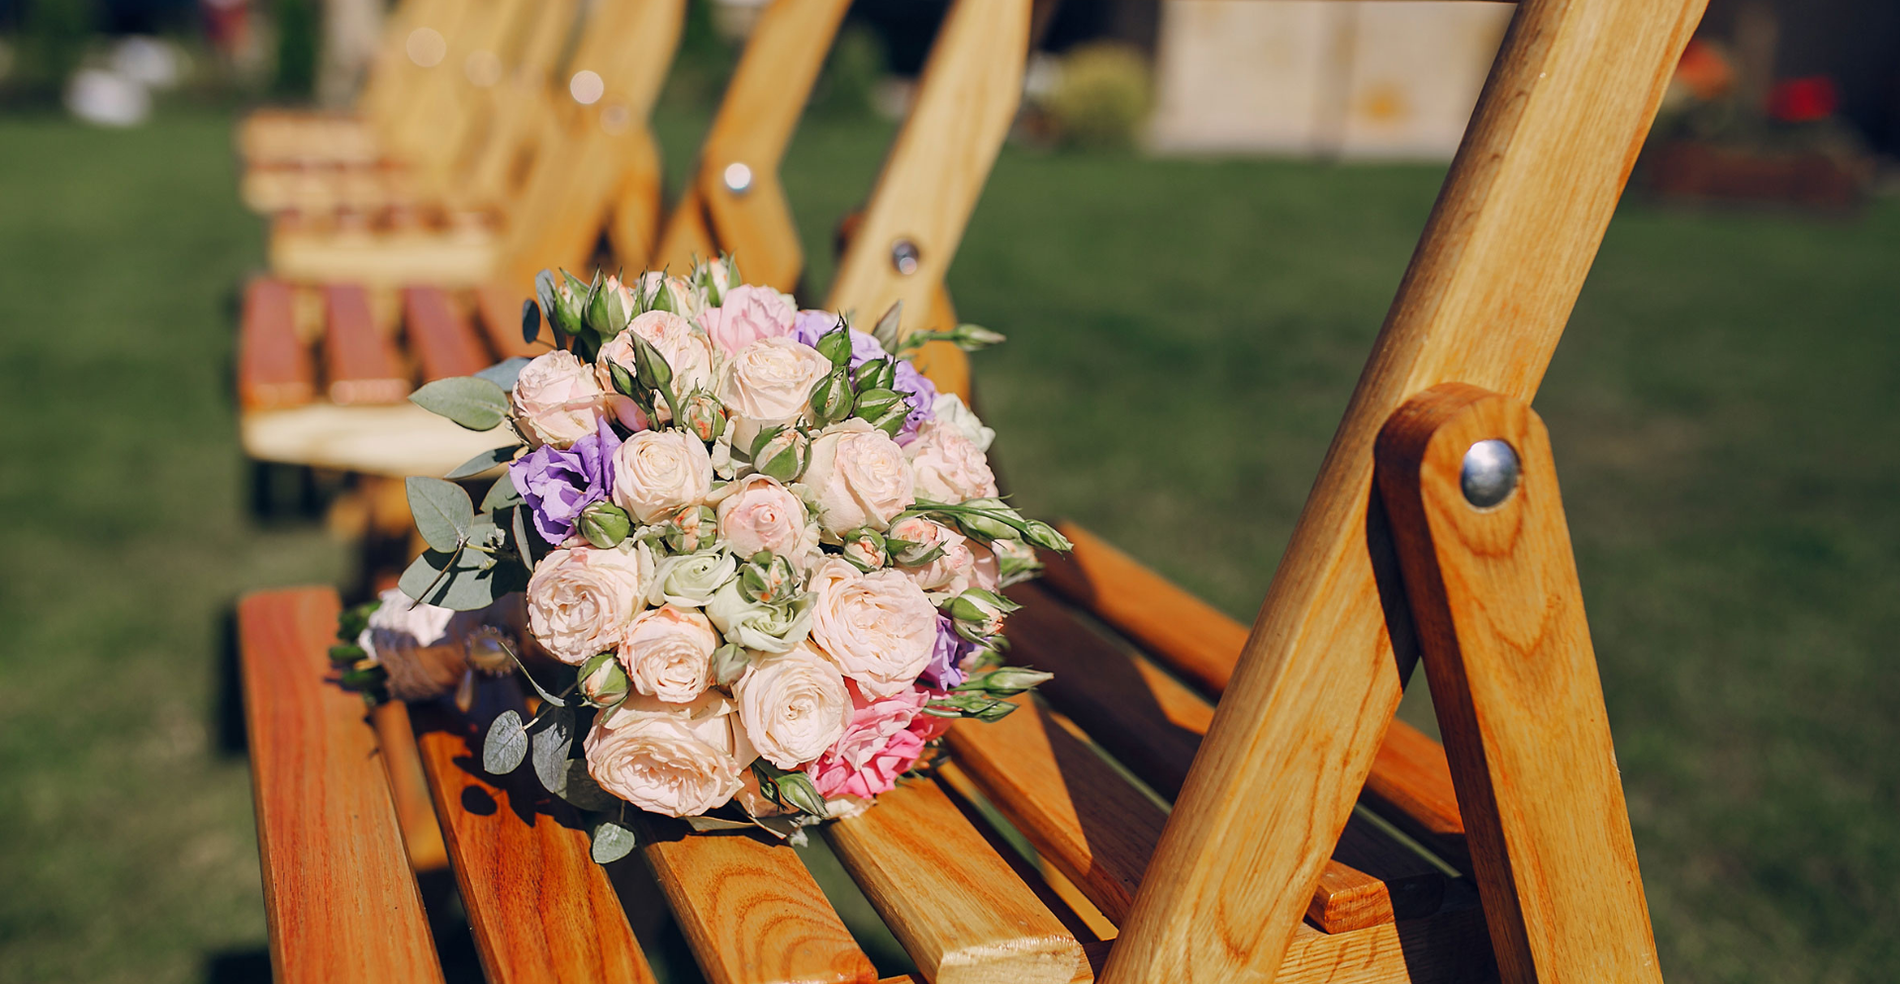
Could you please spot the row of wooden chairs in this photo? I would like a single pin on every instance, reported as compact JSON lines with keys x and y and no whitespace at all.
{"x":1202,"y":802}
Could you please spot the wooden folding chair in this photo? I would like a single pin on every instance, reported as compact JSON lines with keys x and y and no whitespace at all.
{"x":1280,"y":858}
{"x":506,"y":51}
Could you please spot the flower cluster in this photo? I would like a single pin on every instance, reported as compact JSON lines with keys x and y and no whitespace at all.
{"x":770,"y":549}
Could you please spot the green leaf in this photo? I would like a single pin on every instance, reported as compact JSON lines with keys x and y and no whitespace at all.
{"x":612,"y":842}
{"x":442,"y":511}
{"x":492,"y":458}
{"x":886,"y":331}
{"x":475,"y":403}
{"x":501,"y":495}
{"x":503,"y":373}
{"x":583,"y":792}
{"x":526,"y":539}
{"x":448,"y":581}
{"x":506,"y":745}
{"x":553,"y":738}
{"x":531,"y":319}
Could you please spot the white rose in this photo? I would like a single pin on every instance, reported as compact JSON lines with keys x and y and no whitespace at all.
{"x":746,"y":314}
{"x":580,"y":599}
{"x":958,"y":568}
{"x":765,"y":628}
{"x":689,"y":580}
{"x":667,"y":653}
{"x":686,"y":351}
{"x":794,"y":706}
{"x":768,"y":383}
{"x":949,"y":408}
{"x":757,"y":513}
{"x":557,"y":400}
{"x":878,"y":627}
{"x":948,"y":466}
{"x":857,"y":477}
{"x":659,"y":472}
{"x":674,"y":759}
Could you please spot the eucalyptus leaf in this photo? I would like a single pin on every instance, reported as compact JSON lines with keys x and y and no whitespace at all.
{"x":612,"y":842}
{"x":475,"y":403}
{"x":501,"y":495}
{"x":525,"y":541}
{"x":530,"y":319}
{"x":886,"y":331}
{"x":583,"y":792}
{"x":442,"y":511}
{"x":492,"y":458}
{"x":506,"y":745}
{"x":457,"y":581}
{"x":553,"y":738}
{"x":503,"y":373}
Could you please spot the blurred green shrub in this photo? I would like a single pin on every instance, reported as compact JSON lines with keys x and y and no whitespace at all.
{"x":298,"y":29}
{"x":1102,"y":97}
{"x":856,"y":64}
{"x":53,"y":38}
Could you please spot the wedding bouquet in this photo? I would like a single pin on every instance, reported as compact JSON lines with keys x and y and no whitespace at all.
{"x":761,"y":553}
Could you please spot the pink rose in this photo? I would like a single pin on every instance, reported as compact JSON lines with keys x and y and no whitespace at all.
{"x":557,"y":400}
{"x":964,"y":563}
{"x":667,"y":653}
{"x":656,"y":473}
{"x":948,"y":466}
{"x":858,"y":477}
{"x":758,"y":514}
{"x":882,"y":742}
{"x":878,"y":627}
{"x":745,"y":315}
{"x":686,"y":349}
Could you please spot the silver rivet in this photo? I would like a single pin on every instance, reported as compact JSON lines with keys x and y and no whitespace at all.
{"x":1489,"y":474}
{"x":904,"y":256}
{"x":738,"y":177}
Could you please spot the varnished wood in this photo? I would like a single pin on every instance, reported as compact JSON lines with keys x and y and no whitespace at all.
{"x":538,"y":906}
{"x":339,"y":897}
{"x":274,"y":365}
{"x":1506,"y":249}
{"x":408,"y":786}
{"x":750,"y":910}
{"x":1410,"y":784}
{"x":440,"y":335}
{"x":960,"y":911}
{"x":498,"y":308}
{"x":1500,"y":615}
{"x":360,"y":365}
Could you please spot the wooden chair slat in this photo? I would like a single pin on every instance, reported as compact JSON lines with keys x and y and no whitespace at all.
{"x":750,"y":910}
{"x":1410,"y":783}
{"x":359,"y":362}
{"x":1153,"y":725}
{"x":498,"y":307}
{"x":274,"y":365}
{"x":540,"y":909}
{"x":409,"y":786}
{"x":957,"y":907}
{"x":440,"y":335}
{"x":338,"y":893}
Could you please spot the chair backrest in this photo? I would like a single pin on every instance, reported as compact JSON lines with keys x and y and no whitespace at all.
{"x":1484,"y":301}
{"x":520,"y":117}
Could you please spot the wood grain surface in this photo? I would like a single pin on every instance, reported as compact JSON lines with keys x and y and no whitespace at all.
{"x":957,"y":907}
{"x":440,"y":335}
{"x":339,"y":898}
{"x":540,"y":909}
{"x":1500,"y":615}
{"x":750,"y":910}
{"x":1506,"y":249}
{"x":498,"y":309}
{"x":274,"y":366}
{"x":408,"y":786}
{"x":360,"y":364}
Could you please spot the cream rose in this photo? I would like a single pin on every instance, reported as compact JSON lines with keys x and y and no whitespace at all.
{"x":659,"y":472}
{"x":686,"y":350}
{"x":857,"y":477}
{"x":948,"y":466}
{"x":674,"y":759}
{"x":689,"y":580}
{"x":557,"y":400}
{"x":878,"y":627}
{"x":768,"y":383}
{"x":794,"y":706}
{"x":580,"y":599}
{"x":746,"y":314}
{"x":758,"y":513}
{"x":963,"y":564}
{"x":950,"y":409}
{"x":761,"y":627}
{"x":667,"y":653}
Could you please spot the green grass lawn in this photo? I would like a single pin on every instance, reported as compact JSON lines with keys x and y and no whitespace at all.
{"x":1184,"y":338}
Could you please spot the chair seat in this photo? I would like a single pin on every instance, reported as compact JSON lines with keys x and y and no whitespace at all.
{"x":931,"y":856}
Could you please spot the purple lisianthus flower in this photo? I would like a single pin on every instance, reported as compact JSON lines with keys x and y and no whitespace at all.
{"x":559,"y":484}
{"x":809,"y":325}
{"x":944,"y":671}
{"x":923,"y":399}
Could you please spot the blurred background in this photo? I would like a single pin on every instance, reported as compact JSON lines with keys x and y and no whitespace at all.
{"x":1191,"y":240}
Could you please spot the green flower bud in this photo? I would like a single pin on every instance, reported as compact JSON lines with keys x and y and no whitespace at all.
{"x":865,"y":549}
{"x":1007,"y":681}
{"x":603,"y":682}
{"x":714,"y":277}
{"x":650,"y":367}
{"x":793,"y":789}
{"x":783,"y":454}
{"x":729,"y":663}
{"x":704,"y":415}
{"x":979,"y":613}
{"x":768,"y":580}
{"x":876,"y":404}
{"x":875,"y":374}
{"x":691,"y":528}
{"x":1016,"y":561}
{"x":605,"y":524}
{"x":1045,"y":536}
{"x":831,"y":398}
{"x":836,"y":346}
